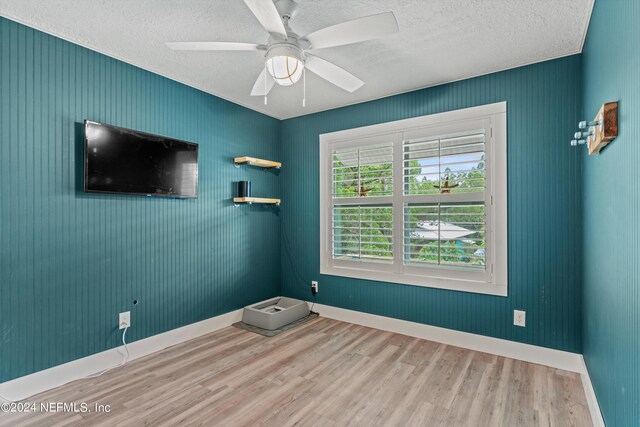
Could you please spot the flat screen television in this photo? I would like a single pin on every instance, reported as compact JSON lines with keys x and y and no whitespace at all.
{"x":125,"y":161}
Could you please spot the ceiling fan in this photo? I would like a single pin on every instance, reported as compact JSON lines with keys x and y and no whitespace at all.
{"x":287,"y":54}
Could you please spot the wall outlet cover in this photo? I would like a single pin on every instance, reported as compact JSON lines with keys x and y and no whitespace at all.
{"x":314,"y":287}
{"x":124,"y":320}
{"x":519,"y":318}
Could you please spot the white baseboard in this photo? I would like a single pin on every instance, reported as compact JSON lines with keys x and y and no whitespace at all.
{"x":514,"y":350}
{"x":35,"y":383}
{"x":590,"y":393}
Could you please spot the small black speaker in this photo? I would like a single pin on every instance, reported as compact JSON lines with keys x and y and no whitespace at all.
{"x":244,"y":188}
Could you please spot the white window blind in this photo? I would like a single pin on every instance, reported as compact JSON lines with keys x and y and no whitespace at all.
{"x":419,"y":201}
{"x":449,"y":227}
{"x":445,"y":165}
{"x":363,"y":233}
{"x":362,"y":227}
{"x":448,"y":234}
{"x":363,"y":171}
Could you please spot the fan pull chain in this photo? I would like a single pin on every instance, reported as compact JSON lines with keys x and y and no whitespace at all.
{"x":304,"y":87}
{"x":265,"y":83}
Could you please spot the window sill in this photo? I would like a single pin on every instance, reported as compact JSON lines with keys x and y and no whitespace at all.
{"x":477,"y":287}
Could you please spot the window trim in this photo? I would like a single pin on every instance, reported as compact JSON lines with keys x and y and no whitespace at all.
{"x":496,"y":274}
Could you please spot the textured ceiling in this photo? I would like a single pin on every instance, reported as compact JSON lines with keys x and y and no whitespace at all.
{"x":439,"y":41}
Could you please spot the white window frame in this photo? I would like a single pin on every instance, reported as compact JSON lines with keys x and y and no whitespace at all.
{"x":493,"y":279}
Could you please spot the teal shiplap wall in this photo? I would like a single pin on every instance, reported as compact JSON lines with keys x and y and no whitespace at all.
{"x":611,"y":335}
{"x":69,"y":262}
{"x":544,"y":206}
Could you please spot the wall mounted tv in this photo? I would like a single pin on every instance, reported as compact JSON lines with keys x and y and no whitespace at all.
{"x":125,"y":161}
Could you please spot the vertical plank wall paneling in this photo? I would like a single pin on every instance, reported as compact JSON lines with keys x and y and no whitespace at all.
{"x":611,"y":327}
{"x":69,"y":261}
{"x":544,"y":207}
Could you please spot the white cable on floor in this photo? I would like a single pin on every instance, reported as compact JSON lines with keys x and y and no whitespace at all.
{"x":97,"y":374}
{"x":125,"y":360}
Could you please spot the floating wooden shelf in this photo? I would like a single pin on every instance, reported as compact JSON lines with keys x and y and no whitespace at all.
{"x":257,"y":162}
{"x":256,"y":200}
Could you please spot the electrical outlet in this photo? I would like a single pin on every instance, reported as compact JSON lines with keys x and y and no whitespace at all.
{"x":124,"y":320}
{"x":519,"y":318}
{"x":314,"y":287}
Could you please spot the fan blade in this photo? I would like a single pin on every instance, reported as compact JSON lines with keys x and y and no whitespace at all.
{"x":354,"y":31}
{"x":268,"y":16}
{"x":259,"y":85}
{"x":333,"y":74}
{"x":213,"y":46}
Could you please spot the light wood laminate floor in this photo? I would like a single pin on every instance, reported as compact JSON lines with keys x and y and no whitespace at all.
{"x":322,"y":373}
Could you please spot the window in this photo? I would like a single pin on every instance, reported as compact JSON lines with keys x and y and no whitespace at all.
{"x":363,"y":231}
{"x":420,"y":201}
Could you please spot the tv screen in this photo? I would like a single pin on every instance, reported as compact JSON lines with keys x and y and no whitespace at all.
{"x":126,"y":161}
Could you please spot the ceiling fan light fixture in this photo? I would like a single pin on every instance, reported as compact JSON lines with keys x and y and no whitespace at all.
{"x":285,"y":63}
